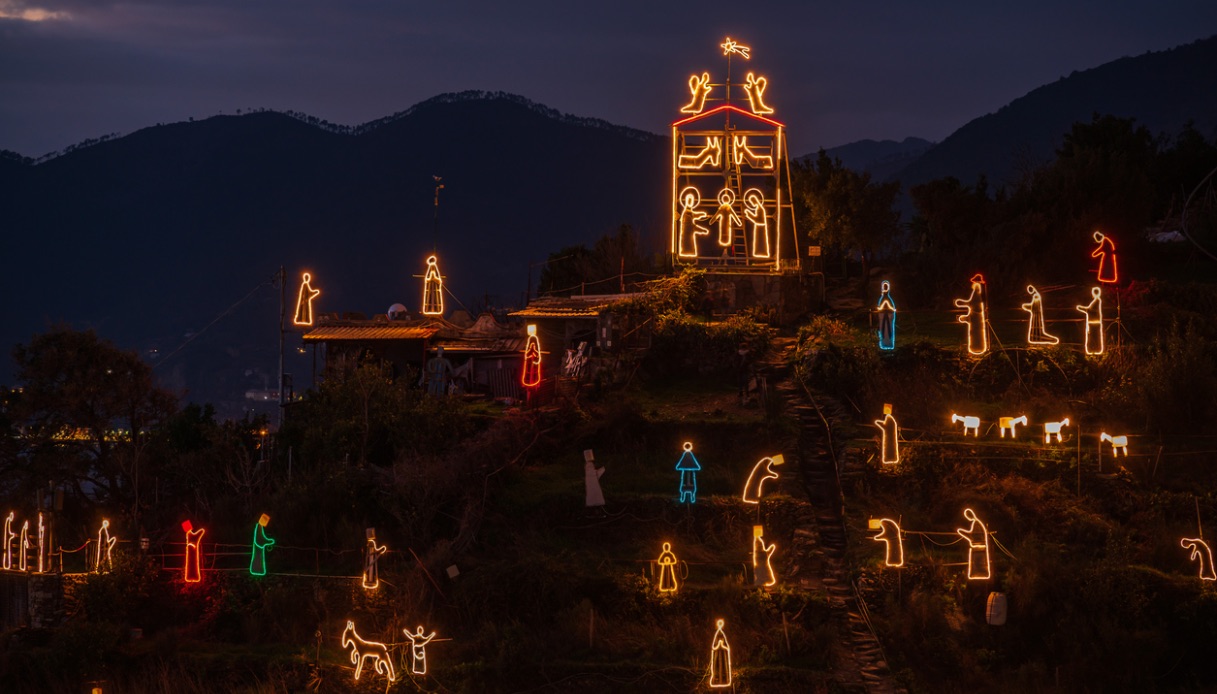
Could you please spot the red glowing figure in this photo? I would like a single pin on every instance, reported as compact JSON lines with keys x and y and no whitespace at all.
{"x":193,"y":573}
{"x":1106,"y":253}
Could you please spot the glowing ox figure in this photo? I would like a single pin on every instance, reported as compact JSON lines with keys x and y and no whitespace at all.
{"x":969,"y":422}
{"x":975,"y":317}
{"x":1094,"y":322}
{"x":890,"y":536}
{"x":1118,"y":443}
{"x":304,"y":301}
{"x":742,"y":153}
{"x":1201,"y":553}
{"x":889,"y":444}
{"x":758,"y":477}
{"x":762,"y":559}
{"x":1004,"y":423}
{"x":1054,"y":429}
{"x":362,"y":651}
{"x":720,"y":658}
{"x":887,"y":317}
{"x":977,"y":536}
{"x":1106,"y":253}
{"x":261,"y":543}
{"x":754,"y":88}
{"x":1037,"y":333}
{"x":699,"y":87}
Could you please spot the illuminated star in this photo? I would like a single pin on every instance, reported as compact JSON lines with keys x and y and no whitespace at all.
{"x":730,"y":47}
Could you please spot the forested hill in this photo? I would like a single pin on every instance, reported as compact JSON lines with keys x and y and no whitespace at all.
{"x":1162,"y":90}
{"x":150,"y":236}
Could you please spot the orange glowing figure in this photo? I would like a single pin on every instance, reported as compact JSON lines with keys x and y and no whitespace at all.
{"x":743,"y":154}
{"x":762,"y":559}
{"x":754,"y":87}
{"x":975,"y":317}
{"x":890,"y":536}
{"x":690,"y":226}
{"x":700,"y":88}
{"x":710,"y":154}
{"x":720,"y":658}
{"x":418,"y":649}
{"x":362,"y":650}
{"x":977,"y":536}
{"x":758,"y":217}
{"x":752,"y":488}
{"x":1094,"y":321}
{"x":9,"y":536}
{"x":192,"y":571}
{"x":1202,"y":553}
{"x":531,"y":376}
{"x":433,"y":289}
{"x":667,"y":569}
{"x":726,"y":217}
{"x":1037,"y":334}
{"x":102,"y":559}
{"x":371,"y":561}
{"x":1106,"y":253}
{"x":304,"y":301}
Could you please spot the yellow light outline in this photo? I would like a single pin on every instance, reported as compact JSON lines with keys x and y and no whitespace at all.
{"x":1118,"y":443}
{"x":530,"y":375}
{"x":1054,"y":429}
{"x":754,"y":88}
{"x":888,"y":422}
{"x":433,"y":288}
{"x":755,"y":212}
{"x":967,"y":534}
{"x":9,"y":536}
{"x":710,"y":154}
{"x":1035,"y":308}
{"x":758,"y":548}
{"x":977,"y":297}
{"x":379,"y":652}
{"x":667,"y":570}
{"x":689,"y":201}
{"x":197,"y":543}
{"x":1105,"y":241}
{"x":699,"y":88}
{"x":728,"y":220}
{"x":719,"y":643}
{"x":371,"y":559}
{"x":729,"y":46}
{"x":969,"y":422}
{"x":24,"y":544}
{"x":304,"y":305}
{"x":1206,"y":559}
{"x":1004,"y":423}
{"x":104,"y":543}
{"x":1095,"y":318}
{"x":418,"y":649}
{"x":888,"y":529}
{"x":741,"y":152}
{"x":751,"y":497}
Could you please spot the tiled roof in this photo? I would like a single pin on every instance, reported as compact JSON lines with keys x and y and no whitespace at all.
{"x":570,"y":306}
{"x":369,"y":332}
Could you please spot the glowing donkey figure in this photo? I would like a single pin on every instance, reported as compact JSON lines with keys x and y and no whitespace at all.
{"x":1054,"y":429}
{"x":969,"y":422}
{"x":1118,"y":443}
{"x":362,"y":650}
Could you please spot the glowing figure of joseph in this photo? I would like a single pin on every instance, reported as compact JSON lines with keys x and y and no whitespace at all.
{"x":257,"y":559}
{"x":975,"y":317}
{"x":433,"y":289}
{"x":977,"y":536}
{"x":1037,"y":333}
{"x":1094,"y":321}
{"x":304,"y":301}
{"x":531,"y":376}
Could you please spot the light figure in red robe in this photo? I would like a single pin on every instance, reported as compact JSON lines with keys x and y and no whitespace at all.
{"x":531,"y":377}
{"x":1106,"y":253}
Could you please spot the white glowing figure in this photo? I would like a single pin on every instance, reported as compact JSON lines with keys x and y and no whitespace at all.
{"x":699,"y":88}
{"x":752,"y":488}
{"x":975,"y":317}
{"x":1054,"y":429}
{"x":690,"y":222}
{"x":969,"y":422}
{"x":1094,"y":321}
{"x":1106,"y":253}
{"x":667,"y":569}
{"x":889,"y":444}
{"x":433,"y":289}
{"x":726,"y":217}
{"x":754,"y":87}
{"x":418,"y":649}
{"x":893,"y":541}
{"x":24,"y":544}
{"x":371,"y":557}
{"x":1037,"y":333}
{"x":742,"y":154}
{"x":720,"y":658}
{"x":530,"y":375}
{"x":977,"y":536}
{"x":1118,"y":443}
{"x":735,"y":47}
{"x":1201,"y":553}
{"x":362,"y":651}
{"x":41,"y":544}
{"x":886,"y":308}
{"x":9,"y":536}
{"x":102,"y":557}
{"x":1004,"y":423}
{"x":758,"y":217}
{"x":762,"y":559}
{"x":304,"y":301}
{"x":710,"y":154}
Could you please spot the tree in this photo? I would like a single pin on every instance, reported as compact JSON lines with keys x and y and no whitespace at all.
{"x":613,"y":260}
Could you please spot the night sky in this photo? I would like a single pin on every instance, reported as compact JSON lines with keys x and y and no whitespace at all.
{"x":839,"y":72}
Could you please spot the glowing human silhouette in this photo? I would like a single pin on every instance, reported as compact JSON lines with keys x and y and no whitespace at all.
{"x":1201,"y":553}
{"x":102,"y":559}
{"x":261,"y":543}
{"x":9,"y":536}
{"x":1094,"y":321}
{"x":758,"y":477}
{"x":690,"y":224}
{"x":754,"y":87}
{"x":699,"y":88}
{"x":1037,"y":333}
{"x":418,"y":649}
{"x":192,"y":570}
{"x":371,"y":560}
{"x":667,"y":569}
{"x":726,"y":217}
{"x":886,"y":308}
{"x":977,"y":536}
{"x":24,"y":544}
{"x":304,"y":301}
{"x":975,"y":317}
{"x":1106,"y":253}
{"x":720,"y":658}
{"x":531,"y":374}
{"x":742,"y":154}
{"x":688,"y":467}
{"x":710,"y":154}
{"x":892,"y":539}
{"x":41,"y":544}
{"x":762,"y":559}
{"x":758,"y":217}
{"x":433,"y":289}
{"x":889,"y":443}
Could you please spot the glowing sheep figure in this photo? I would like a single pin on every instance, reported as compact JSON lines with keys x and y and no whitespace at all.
{"x":972,"y":423}
{"x":1054,"y":429}
{"x":1004,"y":423}
{"x":1118,"y":443}
{"x":1202,"y":553}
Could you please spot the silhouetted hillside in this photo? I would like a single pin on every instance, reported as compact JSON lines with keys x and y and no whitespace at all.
{"x":879,"y":158}
{"x":1163,"y":91}
{"x":149,"y":237}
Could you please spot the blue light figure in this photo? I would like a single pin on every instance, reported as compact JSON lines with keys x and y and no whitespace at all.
{"x":887,"y":317}
{"x":688,"y":467}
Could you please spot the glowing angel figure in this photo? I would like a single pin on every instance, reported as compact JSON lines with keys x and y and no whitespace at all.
{"x":977,"y":536}
{"x":762,"y":559}
{"x":102,"y":557}
{"x":1094,"y":321}
{"x":886,"y":308}
{"x":892,"y":539}
{"x":752,"y":488}
{"x":754,"y":87}
{"x":371,"y":557}
{"x":24,"y":544}
{"x":304,"y":301}
{"x":720,"y":658}
{"x":700,"y":88}
{"x":531,"y":375}
{"x":593,"y":495}
{"x":192,"y":571}
{"x":889,"y":443}
{"x":418,"y":649}
{"x":726,"y":217}
{"x":261,"y":543}
{"x":690,"y":225}
{"x":711,"y":154}
{"x":667,"y":569}
{"x":1106,"y":253}
{"x":1054,"y":429}
{"x":433,"y":289}
{"x":754,"y":212}
{"x":1037,"y":334}
{"x":1202,"y":553}
{"x":362,"y":651}
{"x":975,"y":317}
{"x":9,"y":536}
{"x":742,"y":153}
{"x":688,"y":467}
{"x":735,"y":47}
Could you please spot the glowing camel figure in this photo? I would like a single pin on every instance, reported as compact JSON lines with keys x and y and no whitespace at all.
{"x":720,"y":658}
{"x":762,"y":559}
{"x":433,"y":289}
{"x":362,"y":651}
{"x":726,"y":217}
{"x":690,"y":224}
{"x":304,"y":301}
{"x":418,"y":649}
{"x":1094,"y":321}
{"x":893,"y":540}
{"x":742,"y":154}
{"x":889,"y":443}
{"x":1118,"y":443}
{"x":1201,"y":553}
{"x":977,"y":536}
{"x":754,"y":88}
{"x":1004,"y":423}
{"x":975,"y":317}
{"x":667,"y":569}
{"x":1037,"y":333}
{"x":1054,"y":429}
{"x":710,"y":154}
{"x":1106,"y":253}
{"x":969,"y":422}
{"x":688,"y":467}
{"x":699,"y":88}
{"x":102,"y":557}
{"x":758,"y":217}
{"x":886,"y":308}
{"x":752,"y":488}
